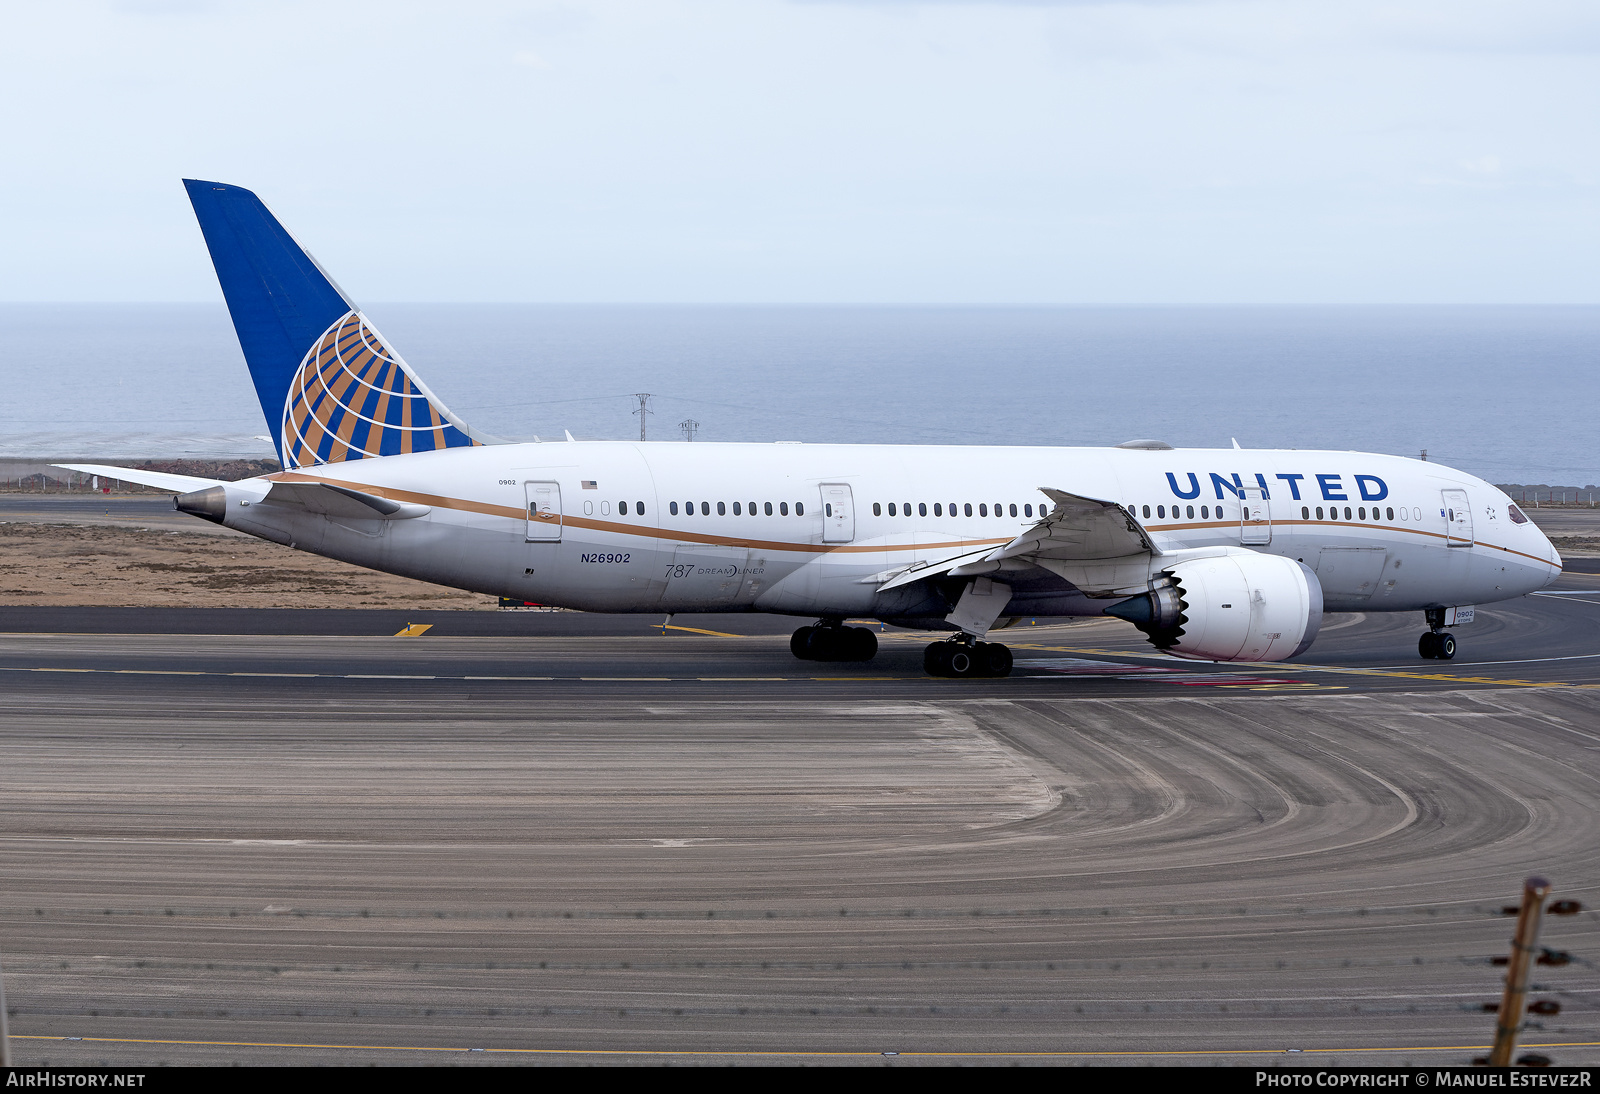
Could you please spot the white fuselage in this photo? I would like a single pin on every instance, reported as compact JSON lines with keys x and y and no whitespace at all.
{"x":813,"y":529}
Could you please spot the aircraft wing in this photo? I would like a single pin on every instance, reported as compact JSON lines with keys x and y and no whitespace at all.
{"x":1080,"y":529}
{"x":1097,"y":545}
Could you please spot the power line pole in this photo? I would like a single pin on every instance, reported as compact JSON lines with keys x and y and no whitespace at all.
{"x":688,"y":425}
{"x":644,"y":410}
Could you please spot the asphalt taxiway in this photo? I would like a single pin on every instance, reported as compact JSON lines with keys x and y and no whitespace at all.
{"x":585,"y":840}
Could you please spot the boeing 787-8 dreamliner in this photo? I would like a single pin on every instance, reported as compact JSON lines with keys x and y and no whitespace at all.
{"x":1215,"y":554}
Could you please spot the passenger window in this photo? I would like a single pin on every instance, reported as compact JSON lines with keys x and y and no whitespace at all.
{"x":1203,"y":514}
{"x":922,"y":508}
{"x":752,"y":509}
{"x":799,"y":508}
{"x":705,"y":509}
{"x":672,"y":507}
{"x":969,"y":508}
{"x":722,"y":509}
{"x":783,"y":508}
{"x":1346,"y":512}
{"x":1190,"y":509}
{"x":638,"y":507}
{"x":1416,"y":513}
{"x":891,"y":509}
{"x":877,"y":510}
{"x":1027,"y":511}
{"x":827,"y":510}
{"x":768,"y":507}
{"x":1319,"y":512}
{"x":1390,"y":512}
{"x":938,"y":510}
{"x":906,"y":508}
{"x":1305,"y":512}
{"x":736,"y":511}
{"x":1147,"y":510}
{"x":1362,"y":512}
{"x":605,"y":509}
{"x":983,"y":510}
{"x":1161,"y":511}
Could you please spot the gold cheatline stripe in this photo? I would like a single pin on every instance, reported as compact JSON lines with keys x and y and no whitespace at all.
{"x":679,"y":535}
{"x":516,"y":513}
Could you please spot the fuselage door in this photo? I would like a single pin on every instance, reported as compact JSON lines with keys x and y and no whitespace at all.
{"x":1255,"y":518}
{"x":1457,"y":518}
{"x":838,"y":513}
{"x":544,"y":511}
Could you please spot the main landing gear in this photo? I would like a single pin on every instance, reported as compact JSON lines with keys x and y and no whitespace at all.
{"x":829,"y":641}
{"x":1436,"y":644}
{"x":964,"y":657}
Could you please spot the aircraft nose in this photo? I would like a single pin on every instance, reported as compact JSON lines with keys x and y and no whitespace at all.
{"x":1553,"y":559}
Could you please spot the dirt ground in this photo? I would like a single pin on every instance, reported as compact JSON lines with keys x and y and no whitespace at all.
{"x":86,"y":565}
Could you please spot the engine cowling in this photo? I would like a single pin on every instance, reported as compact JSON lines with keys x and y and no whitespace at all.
{"x":1233,"y":607}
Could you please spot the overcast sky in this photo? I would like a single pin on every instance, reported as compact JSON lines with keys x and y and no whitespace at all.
{"x":761,"y":150}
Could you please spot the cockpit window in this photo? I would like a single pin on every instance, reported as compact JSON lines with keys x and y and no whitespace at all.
{"x":1517,"y":516}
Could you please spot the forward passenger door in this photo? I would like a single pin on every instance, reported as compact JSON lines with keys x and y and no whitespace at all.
{"x":1457,"y":518}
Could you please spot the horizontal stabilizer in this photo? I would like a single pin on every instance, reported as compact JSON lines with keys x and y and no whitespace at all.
{"x":341,"y":501}
{"x":161,"y":480}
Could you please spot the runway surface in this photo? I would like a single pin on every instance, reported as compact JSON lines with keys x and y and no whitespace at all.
{"x":581,"y":839}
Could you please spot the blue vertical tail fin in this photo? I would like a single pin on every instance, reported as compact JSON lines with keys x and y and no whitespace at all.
{"x":331,"y":387}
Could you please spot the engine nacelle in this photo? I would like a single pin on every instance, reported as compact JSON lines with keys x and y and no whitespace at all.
{"x":1236,"y":607}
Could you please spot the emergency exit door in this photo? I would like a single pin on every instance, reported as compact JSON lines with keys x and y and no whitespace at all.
{"x":1255,"y":517}
{"x":838,"y":513}
{"x":544,"y":511}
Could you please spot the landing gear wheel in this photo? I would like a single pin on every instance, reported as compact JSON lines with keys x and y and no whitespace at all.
{"x":996,"y":658}
{"x":1437,"y":646}
{"x":834,"y":644}
{"x":961,"y":661}
{"x":800,"y":643}
{"x":863,"y":644}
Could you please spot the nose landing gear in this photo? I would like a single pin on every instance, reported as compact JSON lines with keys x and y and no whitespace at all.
{"x":964,"y":658}
{"x":829,"y":641}
{"x":1436,"y":644}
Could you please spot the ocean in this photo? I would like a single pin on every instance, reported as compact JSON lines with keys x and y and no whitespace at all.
{"x":1507,"y":393}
